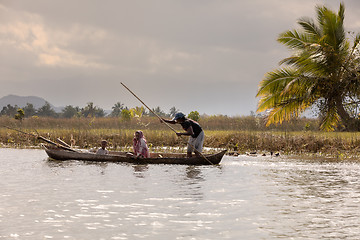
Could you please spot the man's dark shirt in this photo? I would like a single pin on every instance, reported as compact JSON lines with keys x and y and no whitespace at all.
{"x":195,"y":126}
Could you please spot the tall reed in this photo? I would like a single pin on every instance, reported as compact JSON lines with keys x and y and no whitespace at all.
{"x":239,"y":134}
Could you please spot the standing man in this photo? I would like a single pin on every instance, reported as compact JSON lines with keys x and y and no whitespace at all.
{"x":192,"y":129}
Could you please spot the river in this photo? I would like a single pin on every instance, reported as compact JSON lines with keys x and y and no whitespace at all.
{"x":243,"y":198}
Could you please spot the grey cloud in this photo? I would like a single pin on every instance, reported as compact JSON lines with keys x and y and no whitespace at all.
{"x":161,"y":48}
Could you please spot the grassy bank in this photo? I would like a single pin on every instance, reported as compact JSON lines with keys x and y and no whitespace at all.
{"x":235,"y":134}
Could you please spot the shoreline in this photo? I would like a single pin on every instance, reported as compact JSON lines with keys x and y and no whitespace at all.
{"x":319,"y":156}
{"x":220,"y":133}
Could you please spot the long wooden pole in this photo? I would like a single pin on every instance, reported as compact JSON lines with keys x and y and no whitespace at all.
{"x":164,"y":121}
{"x":42,"y":138}
{"x":148,"y":107}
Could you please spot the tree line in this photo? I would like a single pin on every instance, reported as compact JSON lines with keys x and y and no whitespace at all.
{"x":90,"y":110}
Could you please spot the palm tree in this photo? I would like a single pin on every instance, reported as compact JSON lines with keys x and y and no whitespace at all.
{"x":89,"y":110}
{"x":116,"y":109}
{"x":173,"y":111}
{"x":323,"y":71}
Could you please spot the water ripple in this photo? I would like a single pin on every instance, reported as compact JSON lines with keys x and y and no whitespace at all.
{"x":243,"y":198}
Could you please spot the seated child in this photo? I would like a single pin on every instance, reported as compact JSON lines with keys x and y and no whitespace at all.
{"x":103,"y":149}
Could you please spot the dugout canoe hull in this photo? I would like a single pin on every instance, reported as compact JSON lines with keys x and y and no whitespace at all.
{"x":156,"y":158}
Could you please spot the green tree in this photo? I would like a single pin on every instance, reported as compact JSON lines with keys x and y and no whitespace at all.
{"x":125,"y":115}
{"x":46,"y":111}
{"x":69,"y":111}
{"x":137,"y":112}
{"x":89,"y":110}
{"x":158,"y":111}
{"x":323,"y":71}
{"x":99,"y":112}
{"x":20,"y":115}
{"x":29,"y":110}
{"x":173,"y":111}
{"x":92,"y":111}
{"x":194,"y":115}
{"x":116,"y":109}
{"x":9,"y":110}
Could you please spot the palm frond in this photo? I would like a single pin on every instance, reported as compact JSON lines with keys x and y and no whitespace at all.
{"x":341,"y":12}
{"x":333,"y":28}
{"x":286,"y":112}
{"x":310,"y":27}
{"x":275,"y":81}
{"x":294,"y":39}
{"x":284,"y":88}
{"x":330,"y":120}
{"x":320,"y":13}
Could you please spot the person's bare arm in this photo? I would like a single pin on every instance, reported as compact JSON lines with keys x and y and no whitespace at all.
{"x":189,"y":132}
{"x":167,"y":121}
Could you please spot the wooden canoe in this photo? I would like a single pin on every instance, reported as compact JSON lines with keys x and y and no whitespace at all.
{"x":156,"y":158}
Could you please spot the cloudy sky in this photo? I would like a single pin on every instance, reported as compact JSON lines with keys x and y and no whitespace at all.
{"x":203,"y":55}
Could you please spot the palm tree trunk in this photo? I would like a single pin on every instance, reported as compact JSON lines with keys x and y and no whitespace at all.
{"x":346,"y":119}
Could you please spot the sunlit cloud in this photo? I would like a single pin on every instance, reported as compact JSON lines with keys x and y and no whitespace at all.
{"x":30,"y":34}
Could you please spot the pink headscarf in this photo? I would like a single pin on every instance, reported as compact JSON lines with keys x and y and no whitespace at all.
{"x":140,"y":145}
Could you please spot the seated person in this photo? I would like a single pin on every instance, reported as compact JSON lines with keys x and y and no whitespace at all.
{"x":141,"y":149}
{"x":103,"y":149}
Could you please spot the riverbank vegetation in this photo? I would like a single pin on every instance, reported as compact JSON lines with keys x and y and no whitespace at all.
{"x":238,"y":135}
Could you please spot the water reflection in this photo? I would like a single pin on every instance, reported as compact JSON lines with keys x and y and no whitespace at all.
{"x":139,"y":170}
{"x":191,"y":185}
{"x":58,"y":164}
{"x":193,"y":172}
{"x":52,"y":163}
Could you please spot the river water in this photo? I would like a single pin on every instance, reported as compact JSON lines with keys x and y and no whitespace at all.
{"x":243,"y":198}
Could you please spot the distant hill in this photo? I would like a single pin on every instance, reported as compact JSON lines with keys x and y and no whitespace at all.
{"x":20,"y":101}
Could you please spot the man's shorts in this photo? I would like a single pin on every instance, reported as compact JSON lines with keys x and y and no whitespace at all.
{"x":197,"y":142}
